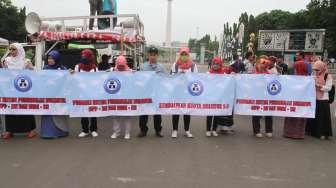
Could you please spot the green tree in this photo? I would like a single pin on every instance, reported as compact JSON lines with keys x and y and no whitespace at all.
{"x":12,"y":21}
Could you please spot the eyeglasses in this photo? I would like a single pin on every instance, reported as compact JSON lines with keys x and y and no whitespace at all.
{"x":316,"y":70}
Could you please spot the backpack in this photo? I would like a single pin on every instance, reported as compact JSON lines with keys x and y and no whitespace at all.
{"x":331,"y":92}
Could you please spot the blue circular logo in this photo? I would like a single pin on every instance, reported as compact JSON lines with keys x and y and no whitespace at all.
{"x":23,"y":83}
{"x":195,"y":88}
{"x":274,"y":87}
{"x":112,"y":85}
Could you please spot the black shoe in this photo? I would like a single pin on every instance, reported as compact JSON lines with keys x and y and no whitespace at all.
{"x":158,"y":134}
{"x":142,"y":134}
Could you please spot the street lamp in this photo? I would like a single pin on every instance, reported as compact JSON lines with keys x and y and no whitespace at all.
{"x":169,"y":29}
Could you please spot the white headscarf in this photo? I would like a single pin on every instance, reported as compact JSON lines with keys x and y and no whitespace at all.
{"x":17,"y":62}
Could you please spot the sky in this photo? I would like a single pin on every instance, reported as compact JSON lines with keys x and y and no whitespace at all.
{"x":191,"y":18}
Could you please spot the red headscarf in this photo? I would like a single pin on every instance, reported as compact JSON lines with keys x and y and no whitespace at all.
{"x":88,"y":54}
{"x":185,"y":65}
{"x":222,"y":69}
{"x":121,"y":62}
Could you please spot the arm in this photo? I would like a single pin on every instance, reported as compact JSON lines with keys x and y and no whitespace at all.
{"x":328,"y":85}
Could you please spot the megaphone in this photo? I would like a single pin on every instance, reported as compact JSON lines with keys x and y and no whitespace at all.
{"x":33,"y":23}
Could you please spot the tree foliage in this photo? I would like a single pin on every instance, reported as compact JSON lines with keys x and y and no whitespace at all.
{"x":12,"y":21}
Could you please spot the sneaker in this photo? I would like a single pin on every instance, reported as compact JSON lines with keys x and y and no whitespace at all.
{"x":214,"y":133}
{"x":7,"y":136}
{"x":208,"y":133}
{"x":83,"y":134}
{"x":259,"y":135}
{"x":188,"y":134}
{"x":269,"y":135}
{"x":127,"y":136}
{"x":174,"y":134}
{"x":114,"y":135}
{"x":94,"y":134}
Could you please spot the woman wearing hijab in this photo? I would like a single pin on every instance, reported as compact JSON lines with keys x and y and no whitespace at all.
{"x":18,"y":123}
{"x":320,"y":127}
{"x":87,"y":64}
{"x":213,"y":121}
{"x":54,"y":126}
{"x":183,"y":64}
{"x":295,"y":127}
{"x":262,"y":68}
{"x":126,"y":121}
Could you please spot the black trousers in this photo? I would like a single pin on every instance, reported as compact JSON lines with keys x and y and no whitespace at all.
{"x":186,"y":120}
{"x":157,"y":123}
{"x":211,"y":123}
{"x":268,"y":124}
{"x":85,"y":124}
{"x":95,"y":7}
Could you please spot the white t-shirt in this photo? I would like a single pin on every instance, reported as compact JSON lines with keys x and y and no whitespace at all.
{"x":173,"y":69}
{"x":92,"y":70}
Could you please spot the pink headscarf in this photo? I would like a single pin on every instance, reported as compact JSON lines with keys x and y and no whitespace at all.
{"x":121,"y":62}
{"x":319,"y":77}
{"x":184,"y":65}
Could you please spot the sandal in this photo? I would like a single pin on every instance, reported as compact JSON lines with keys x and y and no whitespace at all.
{"x":7,"y":135}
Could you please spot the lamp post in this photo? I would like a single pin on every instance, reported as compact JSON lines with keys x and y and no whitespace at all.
{"x":169,"y":29}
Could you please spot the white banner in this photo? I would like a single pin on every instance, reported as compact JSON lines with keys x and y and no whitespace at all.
{"x":31,"y":92}
{"x":272,"y":95}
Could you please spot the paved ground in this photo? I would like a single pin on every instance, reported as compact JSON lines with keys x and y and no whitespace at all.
{"x":233,"y":161}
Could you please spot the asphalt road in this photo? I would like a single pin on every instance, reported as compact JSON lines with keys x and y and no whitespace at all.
{"x":232,"y":161}
{"x":238,"y":160}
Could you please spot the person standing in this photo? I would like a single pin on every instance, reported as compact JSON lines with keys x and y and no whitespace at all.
{"x":104,"y":65}
{"x":54,"y":126}
{"x":300,"y":67}
{"x":249,"y":63}
{"x":183,"y":64}
{"x":262,"y":68}
{"x":18,"y":123}
{"x":125,"y":121}
{"x":151,"y":65}
{"x":320,"y":126}
{"x":87,"y":64}
{"x":109,"y":8}
{"x":282,"y":65}
{"x":295,"y":127}
{"x":237,"y":65}
{"x":225,"y":122}
{"x":95,"y":8}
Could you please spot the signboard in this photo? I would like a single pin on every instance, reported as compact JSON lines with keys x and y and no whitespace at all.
{"x":291,"y":40}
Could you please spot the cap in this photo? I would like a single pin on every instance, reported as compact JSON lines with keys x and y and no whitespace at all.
{"x":153,"y":49}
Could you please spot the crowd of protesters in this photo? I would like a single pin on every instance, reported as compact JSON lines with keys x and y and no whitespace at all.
{"x":296,"y":128}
